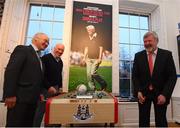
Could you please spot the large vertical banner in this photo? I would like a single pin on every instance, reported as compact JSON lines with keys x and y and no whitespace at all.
{"x":91,"y":46}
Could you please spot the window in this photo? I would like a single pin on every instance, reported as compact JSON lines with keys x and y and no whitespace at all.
{"x":132,"y":28}
{"x":46,"y":19}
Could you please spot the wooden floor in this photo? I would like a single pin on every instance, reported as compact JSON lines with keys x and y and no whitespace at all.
{"x":172,"y":124}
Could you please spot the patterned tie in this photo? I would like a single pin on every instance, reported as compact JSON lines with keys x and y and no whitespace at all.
{"x":150,"y":60}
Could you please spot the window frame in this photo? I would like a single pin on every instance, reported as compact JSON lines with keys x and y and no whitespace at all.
{"x":129,"y":44}
{"x":41,"y":5}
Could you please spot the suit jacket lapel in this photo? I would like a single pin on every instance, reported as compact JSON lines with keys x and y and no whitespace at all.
{"x":157,"y":61}
{"x":145,"y":62}
{"x":35,"y":56}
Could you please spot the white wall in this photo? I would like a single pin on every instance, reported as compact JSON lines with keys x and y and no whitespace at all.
{"x":3,"y":111}
{"x":172,"y":20}
{"x":165,"y":17}
{"x":164,"y":20}
{"x":167,"y":25}
{"x":13,"y":28}
{"x":11,"y":32}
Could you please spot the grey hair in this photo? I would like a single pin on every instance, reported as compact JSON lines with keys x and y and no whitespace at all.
{"x":90,"y":27}
{"x":38,"y":35}
{"x":153,"y":33}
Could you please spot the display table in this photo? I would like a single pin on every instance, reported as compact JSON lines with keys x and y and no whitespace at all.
{"x":100,"y":107}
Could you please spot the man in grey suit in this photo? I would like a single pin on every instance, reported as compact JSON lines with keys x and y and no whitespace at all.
{"x":23,"y":82}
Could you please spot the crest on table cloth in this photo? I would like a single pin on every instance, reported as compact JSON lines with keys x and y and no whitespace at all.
{"x":82,"y":112}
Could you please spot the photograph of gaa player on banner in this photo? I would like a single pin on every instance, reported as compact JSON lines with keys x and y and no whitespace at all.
{"x":91,"y":47}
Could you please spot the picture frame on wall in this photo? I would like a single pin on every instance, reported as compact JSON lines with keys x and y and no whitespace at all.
{"x":98,"y":18}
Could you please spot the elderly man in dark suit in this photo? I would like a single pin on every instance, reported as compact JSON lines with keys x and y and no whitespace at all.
{"x":23,"y":82}
{"x":54,"y":65}
{"x":154,"y":78}
{"x":53,"y":79}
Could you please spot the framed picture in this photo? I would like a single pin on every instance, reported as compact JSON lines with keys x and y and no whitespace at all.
{"x":91,"y":44}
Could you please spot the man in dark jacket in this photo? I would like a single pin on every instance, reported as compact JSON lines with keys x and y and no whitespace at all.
{"x":23,"y":82}
{"x":154,"y":78}
{"x":53,"y":79}
{"x":53,"y":69}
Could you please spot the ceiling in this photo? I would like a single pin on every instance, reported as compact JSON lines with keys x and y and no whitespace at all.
{"x":133,"y":6}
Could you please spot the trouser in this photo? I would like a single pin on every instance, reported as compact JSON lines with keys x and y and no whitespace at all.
{"x":92,"y":66}
{"x":21,"y":115}
{"x":144,"y":112}
{"x":41,"y":108}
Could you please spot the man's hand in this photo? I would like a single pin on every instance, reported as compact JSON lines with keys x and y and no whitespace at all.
{"x":141,"y":98}
{"x":10,"y":102}
{"x":161,"y":100}
{"x":52,"y":90}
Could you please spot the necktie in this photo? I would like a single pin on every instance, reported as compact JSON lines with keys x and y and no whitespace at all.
{"x":39,"y":58}
{"x":38,"y":53}
{"x":57,"y":59}
{"x":150,"y":61}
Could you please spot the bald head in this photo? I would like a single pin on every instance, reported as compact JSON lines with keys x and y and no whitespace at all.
{"x":58,"y":49}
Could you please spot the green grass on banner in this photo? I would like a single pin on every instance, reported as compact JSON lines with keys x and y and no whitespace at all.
{"x":77,"y":75}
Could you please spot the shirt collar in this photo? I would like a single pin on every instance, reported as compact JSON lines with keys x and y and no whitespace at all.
{"x":35,"y":48}
{"x":53,"y":55}
{"x":93,"y":36}
{"x":155,"y":52}
{"x":56,"y":58}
